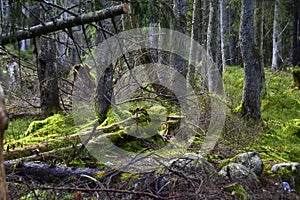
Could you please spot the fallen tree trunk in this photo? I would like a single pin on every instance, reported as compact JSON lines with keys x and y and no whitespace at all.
{"x":46,"y":145}
{"x":61,"y":24}
{"x":48,"y":173}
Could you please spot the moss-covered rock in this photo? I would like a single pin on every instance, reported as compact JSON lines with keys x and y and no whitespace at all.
{"x":57,"y":124}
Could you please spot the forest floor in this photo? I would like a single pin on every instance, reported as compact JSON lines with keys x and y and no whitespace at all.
{"x":276,"y":138}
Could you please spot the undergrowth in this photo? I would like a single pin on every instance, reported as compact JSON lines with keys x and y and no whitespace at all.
{"x":277,"y":137}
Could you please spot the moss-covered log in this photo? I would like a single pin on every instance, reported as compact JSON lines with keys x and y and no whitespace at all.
{"x":49,"y":173}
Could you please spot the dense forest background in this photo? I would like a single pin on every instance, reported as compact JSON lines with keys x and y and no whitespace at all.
{"x":61,"y":97}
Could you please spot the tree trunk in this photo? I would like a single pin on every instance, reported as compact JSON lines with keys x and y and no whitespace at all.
{"x":213,"y":48}
{"x":223,"y":32}
{"x":252,"y":74}
{"x":276,"y":39}
{"x":205,"y":18}
{"x":104,"y":93}
{"x":296,"y":34}
{"x":104,"y":90}
{"x":259,"y":39}
{"x":47,"y":73}
{"x":232,"y":36}
{"x":3,"y":126}
{"x":213,"y":83}
{"x":195,"y":35}
{"x":180,"y":25}
{"x":50,"y":26}
{"x":259,"y":29}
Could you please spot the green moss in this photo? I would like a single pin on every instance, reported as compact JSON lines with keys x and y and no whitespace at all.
{"x":143,"y":116}
{"x":57,"y":124}
{"x":42,"y":130}
{"x":277,"y":138}
{"x":292,"y":127}
{"x":17,"y":129}
{"x":237,"y":190}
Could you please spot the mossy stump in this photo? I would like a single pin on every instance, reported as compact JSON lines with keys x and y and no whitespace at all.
{"x":296,"y":77}
{"x":172,"y":124}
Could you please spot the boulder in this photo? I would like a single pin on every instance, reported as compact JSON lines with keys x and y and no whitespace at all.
{"x":239,"y":172}
{"x":194,"y":166}
{"x":251,"y":160}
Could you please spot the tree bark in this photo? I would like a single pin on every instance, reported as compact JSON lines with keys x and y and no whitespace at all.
{"x":180,"y":25}
{"x":232,"y":36}
{"x":47,"y":73}
{"x":3,"y":126}
{"x":296,"y":34}
{"x":223,"y":32}
{"x":61,"y":24}
{"x":214,"y":84}
{"x":252,"y":74}
{"x":259,"y":29}
{"x":213,"y":47}
{"x":276,"y":39}
{"x":195,"y":35}
{"x":205,"y":18}
{"x":104,"y":90}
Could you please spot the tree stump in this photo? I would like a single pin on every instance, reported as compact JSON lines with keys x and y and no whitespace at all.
{"x":296,"y":77}
{"x":172,"y":125}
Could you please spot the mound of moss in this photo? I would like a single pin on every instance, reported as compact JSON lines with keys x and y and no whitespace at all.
{"x":56,"y":125}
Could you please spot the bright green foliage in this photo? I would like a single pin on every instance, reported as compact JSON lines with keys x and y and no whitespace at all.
{"x":292,"y":127}
{"x":233,"y":81}
{"x":17,"y":129}
{"x":281,"y":111}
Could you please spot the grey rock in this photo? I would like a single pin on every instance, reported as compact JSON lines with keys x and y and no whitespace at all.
{"x":238,"y":172}
{"x":194,"y":166}
{"x":293,"y":166}
{"x":251,"y":160}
